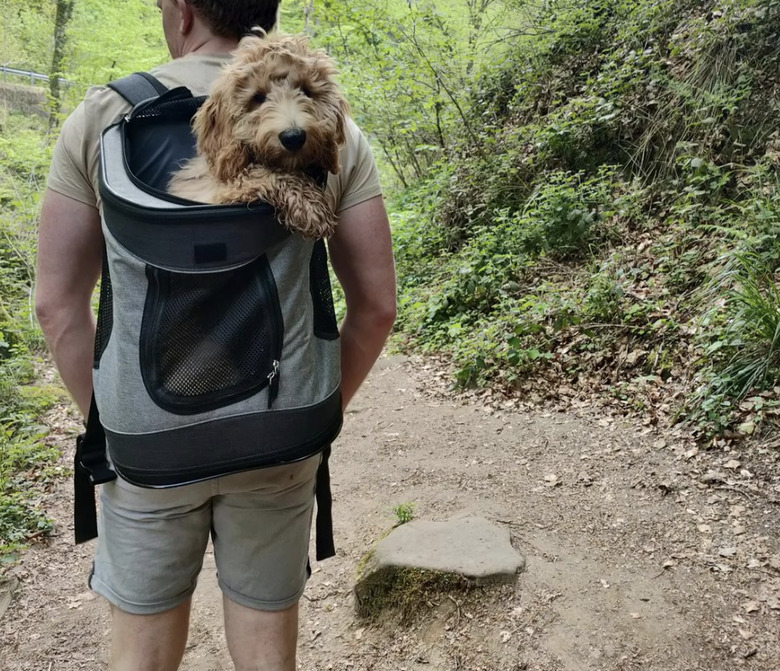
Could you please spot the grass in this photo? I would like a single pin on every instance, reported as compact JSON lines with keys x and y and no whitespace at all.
{"x":28,"y":463}
{"x":27,"y":460}
{"x":403,"y":591}
{"x":404,"y":512}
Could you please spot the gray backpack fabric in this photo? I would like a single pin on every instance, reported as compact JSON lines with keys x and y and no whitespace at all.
{"x":217,"y":347}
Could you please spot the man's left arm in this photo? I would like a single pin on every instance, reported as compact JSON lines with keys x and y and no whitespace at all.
{"x":362,"y":258}
{"x":70,"y":253}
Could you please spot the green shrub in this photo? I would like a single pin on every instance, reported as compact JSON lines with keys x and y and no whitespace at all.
{"x":26,"y":461}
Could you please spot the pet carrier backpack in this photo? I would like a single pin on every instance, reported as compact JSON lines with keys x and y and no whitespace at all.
{"x":217,"y":348}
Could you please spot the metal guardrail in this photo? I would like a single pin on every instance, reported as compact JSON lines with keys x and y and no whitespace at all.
{"x":32,"y":76}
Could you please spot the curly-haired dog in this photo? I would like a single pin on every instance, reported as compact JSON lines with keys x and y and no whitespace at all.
{"x":273,"y":113}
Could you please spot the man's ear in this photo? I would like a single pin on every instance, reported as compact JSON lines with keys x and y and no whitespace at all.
{"x":186,"y":16}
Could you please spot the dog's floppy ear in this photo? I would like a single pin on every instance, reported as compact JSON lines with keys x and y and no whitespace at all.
{"x":330,"y":158}
{"x":341,"y":121}
{"x":224,"y":154}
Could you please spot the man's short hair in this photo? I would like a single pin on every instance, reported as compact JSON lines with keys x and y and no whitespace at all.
{"x":234,"y":18}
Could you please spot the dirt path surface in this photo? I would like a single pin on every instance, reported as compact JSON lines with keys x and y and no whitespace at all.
{"x":643,"y":553}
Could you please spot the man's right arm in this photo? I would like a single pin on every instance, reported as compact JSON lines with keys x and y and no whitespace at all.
{"x":70,"y":254}
{"x":362,"y":258}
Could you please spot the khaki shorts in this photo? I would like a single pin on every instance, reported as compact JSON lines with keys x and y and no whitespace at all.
{"x":152,"y":541}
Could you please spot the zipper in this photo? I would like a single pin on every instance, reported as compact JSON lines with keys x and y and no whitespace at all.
{"x":273,"y":383}
{"x":277,"y":328}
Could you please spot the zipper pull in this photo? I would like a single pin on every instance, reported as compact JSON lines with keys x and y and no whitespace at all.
{"x":273,"y":383}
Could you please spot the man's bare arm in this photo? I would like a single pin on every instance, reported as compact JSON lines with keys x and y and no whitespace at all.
{"x":362,"y":258}
{"x":70,"y":252}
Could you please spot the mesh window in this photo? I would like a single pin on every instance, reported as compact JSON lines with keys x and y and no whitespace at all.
{"x":208,"y":339}
{"x":325,"y":325}
{"x":105,"y":319}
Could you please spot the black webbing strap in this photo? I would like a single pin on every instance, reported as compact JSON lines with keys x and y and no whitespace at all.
{"x":137,"y":87}
{"x":324,"y":524}
{"x":90,"y":468}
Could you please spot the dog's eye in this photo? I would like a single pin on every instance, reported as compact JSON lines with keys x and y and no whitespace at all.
{"x":258,"y":98}
{"x":306,"y":92}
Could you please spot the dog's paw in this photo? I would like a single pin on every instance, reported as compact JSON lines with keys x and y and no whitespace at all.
{"x":306,"y":211}
{"x":308,"y":223}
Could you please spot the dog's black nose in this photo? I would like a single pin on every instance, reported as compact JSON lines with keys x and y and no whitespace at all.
{"x":292,"y":139}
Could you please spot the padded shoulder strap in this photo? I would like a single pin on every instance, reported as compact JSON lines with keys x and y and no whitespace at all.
{"x":137,"y":87}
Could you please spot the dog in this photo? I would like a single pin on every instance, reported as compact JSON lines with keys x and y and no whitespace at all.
{"x":273,"y":114}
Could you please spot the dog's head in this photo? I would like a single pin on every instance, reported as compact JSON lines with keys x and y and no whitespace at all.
{"x":275,"y":104}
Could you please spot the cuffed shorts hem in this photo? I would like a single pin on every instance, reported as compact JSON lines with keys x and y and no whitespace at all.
{"x":257,"y":604}
{"x":102,"y":589}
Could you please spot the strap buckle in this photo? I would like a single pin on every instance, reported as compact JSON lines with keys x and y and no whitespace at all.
{"x":93,"y":463}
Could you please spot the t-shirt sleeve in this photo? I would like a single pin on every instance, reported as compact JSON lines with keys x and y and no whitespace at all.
{"x":359,"y":178}
{"x":69,"y":173}
{"x":76,"y":159}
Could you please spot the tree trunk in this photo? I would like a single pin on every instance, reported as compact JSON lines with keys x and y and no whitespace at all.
{"x":308,"y":17}
{"x":64,"y":12}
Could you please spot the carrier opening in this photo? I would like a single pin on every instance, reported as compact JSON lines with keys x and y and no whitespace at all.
{"x":160,"y":139}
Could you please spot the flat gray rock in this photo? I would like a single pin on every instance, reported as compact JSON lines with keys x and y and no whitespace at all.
{"x":471,"y":549}
{"x":7,"y":589}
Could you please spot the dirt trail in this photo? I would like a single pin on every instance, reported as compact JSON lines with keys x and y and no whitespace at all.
{"x":639,"y":556}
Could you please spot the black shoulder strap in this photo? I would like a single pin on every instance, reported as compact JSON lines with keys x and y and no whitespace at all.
{"x":137,"y":87}
{"x":90,"y":468}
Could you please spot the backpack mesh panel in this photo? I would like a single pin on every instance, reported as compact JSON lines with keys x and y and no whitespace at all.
{"x":105,"y":320}
{"x":325,"y":325}
{"x":214,"y":336}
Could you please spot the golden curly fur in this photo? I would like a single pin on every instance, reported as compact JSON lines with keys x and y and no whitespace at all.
{"x":274,"y":112}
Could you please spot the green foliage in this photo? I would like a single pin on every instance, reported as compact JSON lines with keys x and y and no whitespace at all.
{"x":101,"y":51}
{"x":753,"y":331}
{"x":25,"y":460}
{"x":24,"y":157}
{"x":103,"y":41}
{"x":619,"y":154}
{"x":406,"y":68}
{"x":740,"y":334}
{"x":402,"y":590}
{"x":480,"y":302}
{"x":26,"y":42}
{"x":404,"y":512}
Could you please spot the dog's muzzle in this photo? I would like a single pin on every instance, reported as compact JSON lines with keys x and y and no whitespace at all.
{"x":293,"y":139}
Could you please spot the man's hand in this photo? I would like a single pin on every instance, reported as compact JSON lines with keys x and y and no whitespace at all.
{"x":362,"y":258}
{"x":70,"y":254}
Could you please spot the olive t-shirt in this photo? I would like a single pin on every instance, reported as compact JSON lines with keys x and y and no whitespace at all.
{"x":76,"y":159}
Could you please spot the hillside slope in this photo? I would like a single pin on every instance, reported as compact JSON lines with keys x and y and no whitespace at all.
{"x":609,"y":226}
